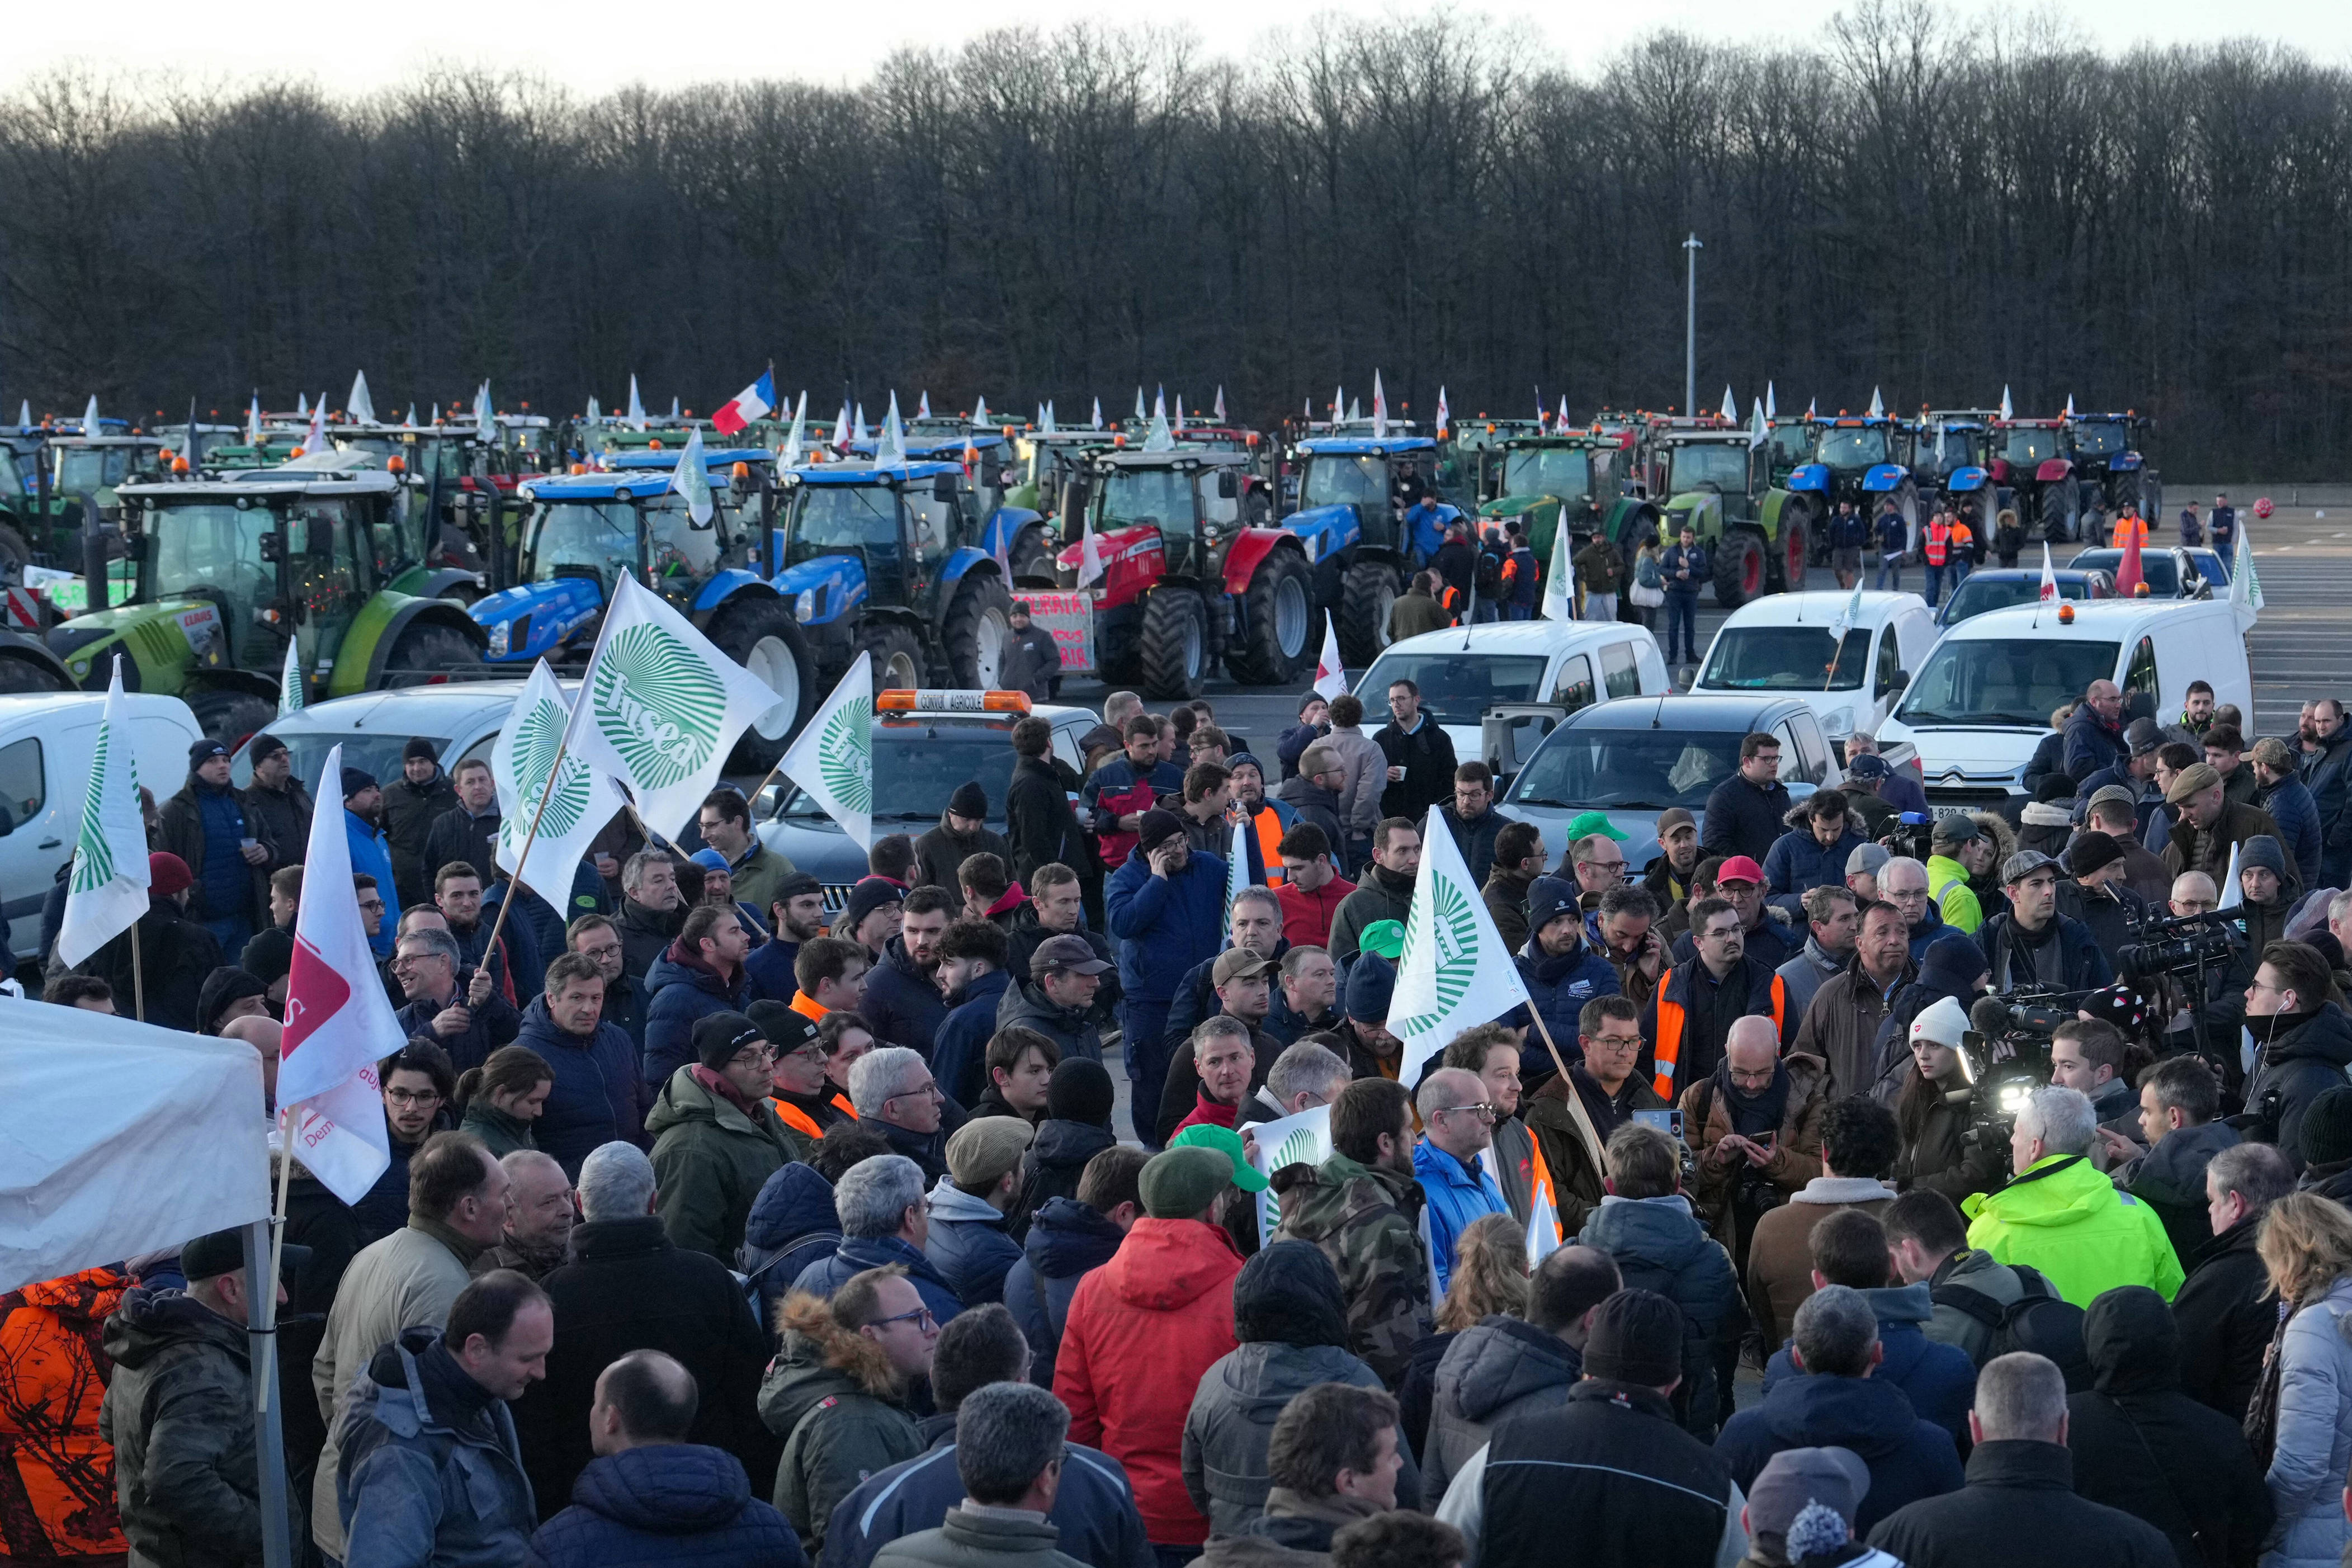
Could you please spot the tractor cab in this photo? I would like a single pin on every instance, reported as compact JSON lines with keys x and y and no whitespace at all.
{"x":1193,"y":498}
{"x":1362,"y":526}
{"x":1855,"y":459}
{"x":1789,"y":445}
{"x":1716,"y":485}
{"x":2106,"y":452}
{"x":1045,"y":463}
{"x":1539,"y":478}
{"x":2035,"y":470}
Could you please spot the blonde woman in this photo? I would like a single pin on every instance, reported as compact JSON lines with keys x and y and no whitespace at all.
{"x":2301,"y":1419}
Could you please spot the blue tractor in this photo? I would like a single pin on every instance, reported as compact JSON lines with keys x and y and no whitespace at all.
{"x":583,"y":531}
{"x":1017,"y":535}
{"x":1861,"y":459}
{"x":1353,"y":495}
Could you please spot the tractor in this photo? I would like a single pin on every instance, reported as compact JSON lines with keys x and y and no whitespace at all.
{"x":2106,"y":449}
{"x":1721,"y":489}
{"x":890,"y":559}
{"x":227,"y":568}
{"x":1019,"y":534}
{"x":2036,"y":477}
{"x":1352,"y":496}
{"x":1046,"y":466}
{"x":1539,"y":476}
{"x":1954,"y":467}
{"x":1863,"y":460}
{"x":1186,"y":579}
{"x":1791,"y":445}
{"x":76,"y":472}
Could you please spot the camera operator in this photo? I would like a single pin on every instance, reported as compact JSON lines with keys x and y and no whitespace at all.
{"x":1936,"y":1110}
{"x":2087,"y":1055}
{"x":1755,"y":1127}
{"x":2097,"y":891}
{"x":2303,"y":1044}
{"x":2032,"y":944}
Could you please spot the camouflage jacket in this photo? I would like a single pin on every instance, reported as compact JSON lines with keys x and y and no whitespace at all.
{"x":1367,"y":1221}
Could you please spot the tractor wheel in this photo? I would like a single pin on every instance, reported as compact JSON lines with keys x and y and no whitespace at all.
{"x":761,"y":636}
{"x":979,"y":625}
{"x":1738,"y":568}
{"x":2058,"y":512}
{"x":19,"y":675}
{"x":897,"y":655}
{"x":229,"y":716}
{"x":1368,"y":594}
{"x":1281,"y":620}
{"x":1033,"y":558}
{"x":428,"y":656}
{"x":14,"y":553}
{"x":2124,"y":489}
{"x":1795,"y":555}
{"x":1175,"y":645}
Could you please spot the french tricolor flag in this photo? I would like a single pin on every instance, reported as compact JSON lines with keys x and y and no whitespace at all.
{"x":752,"y":403}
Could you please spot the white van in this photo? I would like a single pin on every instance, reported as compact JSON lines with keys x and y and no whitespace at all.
{"x":1461,"y":674}
{"x":46,"y":742}
{"x":1982,"y":702}
{"x":1780,"y":644}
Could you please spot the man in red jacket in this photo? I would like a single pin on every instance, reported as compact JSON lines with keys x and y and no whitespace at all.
{"x":1144,"y":1326}
{"x":1311,"y":887}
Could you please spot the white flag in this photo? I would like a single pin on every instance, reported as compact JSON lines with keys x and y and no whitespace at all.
{"x":1849,"y":616}
{"x":290,"y":680}
{"x":107,"y":891}
{"x":1543,"y":1224}
{"x":359,"y":406}
{"x":636,"y":416}
{"x":1729,"y":412}
{"x":691,"y":478}
{"x":841,"y":430}
{"x":1221,"y":402}
{"x":890,"y":447}
{"x":1330,"y":670}
{"x":2070,"y":406}
{"x":2006,"y":414}
{"x":314,"y":442}
{"x":1090,"y":561}
{"x":253,"y":422}
{"x":1444,"y":419}
{"x":833,"y":761}
{"x":1237,"y":875}
{"x":1301,"y":1140}
{"x":579,"y":800}
{"x":1559,"y":575}
{"x":1141,"y":414}
{"x":790,"y":457}
{"x":923,"y":404}
{"x":1379,"y":410}
{"x":2233,"y":895}
{"x":979,"y":411}
{"x":1179,"y":425}
{"x":1759,"y":430}
{"x":2245,"y":583}
{"x":857,"y":426}
{"x":338,"y":1023}
{"x":664,"y":707}
{"x":486,"y":417}
{"x":1454,"y":973}
{"x":2049,"y":595}
{"x":1877,"y":409}
{"x":1098,"y":424}
{"x":1771,"y":410}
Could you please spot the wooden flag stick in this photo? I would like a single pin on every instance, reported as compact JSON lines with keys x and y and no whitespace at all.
{"x":138,"y":977}
{"x":522,"y":858}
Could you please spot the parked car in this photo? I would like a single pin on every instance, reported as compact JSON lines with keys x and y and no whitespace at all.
{"x":1999,"y":587}
{"x":1782,"y":644}
{"x":2170,"y":573}
{"x":461,"y":720}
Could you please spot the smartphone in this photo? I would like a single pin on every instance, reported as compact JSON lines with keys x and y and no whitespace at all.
{"x":1763,"y":1140}
{"x":1669,"y":1121}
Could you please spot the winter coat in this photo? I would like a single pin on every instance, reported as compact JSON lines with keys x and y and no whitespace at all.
{"x":1573,"y":1146}
{"x":969,"y":1245}
{"x":1909,"y":1459}
{"x":1741,"y":819}
{"x":2064,"y":1217}
{"x":409,"y":812}
{"x":1322,"y":806}
{"x":1797,"y":862}
{"x":1165,"y":925}
{"x":1367,"y":777}
{"x":1041,"y":824}
{"x":2108,"y":913}
{"x":941,"y":852}
{"x":792,"y":1227}
{"x":1559,"y":985}
{"x":968,"y":1539}
{"x":1094,"y":1511}
{"x":280,"y":819}
{"x":2291,"y":806}
{"x":902,"y":1001}
{"x":55,"y":1368}
{"x":1940,"y":1380}
{"x":2188,"y":847}
{"x":1032,"y":663}
{"x":179,"y":1411}
{"x":1141,"y":1331}
{"x":595,"y":1097}
{"x":629,"y":1288}
{"x":2142,"y":1445}
{"x":2092,"y":743}
{"x":2327,"y":773}
{"x":1426,"y":754}
{"x":371,"y":855}
{"x":1066,"y":1241}
{"x":645,"y":935}
{"x":177,"y":955}
{"x":2296,"y":1068}
{"x":1659,"y":1245}
{"x":1674,"y":558}
{"x":858,"y":1253}
{"x":1937,"y":1156}
{"x":1779,"y":1249}
{"x":408,"y":1488}
{"x":458,"y":834}
{"x":2170,"y":1179}
{"x":2086,"y":967}
{"x":1842,"y":1022}
{"x":1367,"y":1221}
{"x":2314,"y":1448}
{"x":1499,"y":1370}
{"x":1415,"y":611}
{"x":831,"y":1396}
{"x":2227,"y":1317}
{"x":1505,"y":893}
{"x":1803,"y":976}
{"x":2019,"y":1509}
{"x":501,"y":1134}
{"x":1796,"y":1142}
{"x":1057,"y":1157}
{"x":711,"y":1159}
{"x":493,"y":1023}
{"x":680,"y":992}
{"x":1382,"y":895}
{"x":1293,"y":1330}
{"x":1686,"y":1034}
{"x":675,"y":1502}
{"x":1456,"y":1195}
{"x":960,"y":1050}
{"x":407,"y":1280}
{"x":1475,"y":840}
{"x":184,"y":831}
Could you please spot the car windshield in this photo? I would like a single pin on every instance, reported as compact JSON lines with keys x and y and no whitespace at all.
{"x":1861,"y":447}
{"x":1587,"y":768}
{"x":1982,"y":593}
{"x":835,"y":519}
{"x":1330,"y":478}
{"x":1455,"y":688}
{"x":572,"y":538}
{"x":2100,"y":440}
{"x":378,"y":754}
{"x":919,"y":763}
{"x":1709,"y":466}
{"x":1786,"y":659}
{"x":2003,"y":682}
{"x":1161,"y":497}
{"x":212,"y":549}
{"x":2030,"y":448}
{"x":1564,"y":472}
{"x":2159,"y":567}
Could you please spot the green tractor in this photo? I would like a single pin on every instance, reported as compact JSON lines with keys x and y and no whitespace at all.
{"x":75,"y":472}
{"x":1538,"y":478}
{"x":225,"y":570}
{"x":1720,"y":487}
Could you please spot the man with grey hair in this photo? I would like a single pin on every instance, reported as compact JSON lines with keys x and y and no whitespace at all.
{"x":1009,"y":1453}
{"x":1458,"y":1124}
{"x":1903,"y":882}
{"x":2061,"y":1214}
{"x":1303,"y":1077}
{"x":629,"y":1288}
{"x":885,"y":1219}
{"x":2226,"y":1311}
{"x":457,"y":1009}
{"x":892,"y":1089}
{"x":539,"y":1218}
{"x":1839,"y":1403}
{"x":652,"y":909}
{"x":2019,"y":1507}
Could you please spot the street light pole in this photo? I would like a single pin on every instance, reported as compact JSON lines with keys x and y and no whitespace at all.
{"x":1691,"y":247}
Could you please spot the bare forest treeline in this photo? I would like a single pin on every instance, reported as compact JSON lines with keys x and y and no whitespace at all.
{"x":1899,"y":201}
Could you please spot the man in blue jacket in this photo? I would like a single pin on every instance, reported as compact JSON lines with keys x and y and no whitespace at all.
{"x":1894,"y":543}
{"x":700,"y":974}
{"x":370,"y":851}
{"x":1458,"y":1122}
{"x":1165,"y":907}
{"x":1813,"y":852}
{"x":973,"y":980}
{"x":1686,"y":567}
{"x":598,"y":1095}
{"x":1560,"y":972}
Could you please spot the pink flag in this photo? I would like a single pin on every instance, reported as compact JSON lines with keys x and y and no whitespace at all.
{"x":338,"y":1021}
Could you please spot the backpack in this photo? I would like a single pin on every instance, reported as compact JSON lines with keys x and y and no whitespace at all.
{"x":2040,"y":1321}
{"x":1489,"y":575}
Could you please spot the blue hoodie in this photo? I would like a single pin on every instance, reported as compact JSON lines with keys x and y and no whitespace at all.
{"x":1939,"y":1379}
{"x":1068,"y":1241}
{"x":1560,"y":987}
{"x":371,"y":854}
{"x":792,"y":1226}
{"x":857,"y":1254}
{"x":668,"y":1503}
{"x":959,"y":1049}
{"x":1094,"y":1512}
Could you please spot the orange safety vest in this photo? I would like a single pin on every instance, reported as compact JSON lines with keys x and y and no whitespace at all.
{"x":800,"y":1121}
{"x":1939,"y":536}
{"x":1269,"y":844}
{"x":2125,"y":527}
{"x":1672,"y":1017}
{"x":1962,"y":538}
{"x":807,"y":1008}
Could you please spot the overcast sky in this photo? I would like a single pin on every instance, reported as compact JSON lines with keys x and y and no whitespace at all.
{"x":594,"y":44}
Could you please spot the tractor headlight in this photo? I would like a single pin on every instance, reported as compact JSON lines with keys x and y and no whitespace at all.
{"x":501,"y":638}
{"x":805,"y":606}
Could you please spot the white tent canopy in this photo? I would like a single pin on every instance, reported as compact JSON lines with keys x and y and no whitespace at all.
{"x":122,"y":1137}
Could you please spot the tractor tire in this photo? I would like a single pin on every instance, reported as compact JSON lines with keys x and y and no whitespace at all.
{"x":1280,"y":612}
{"x":2058,"y":512}
{"x":1738,"y":568}
{"x":1369,"y":592}
{"x":21,"y":676}
{"x":897,"y":655}
{"x":1033,"y":558}
{"x":761,"y":636}
{"x":1799,"y":512}
{"x":979,"y":625}
{"x":2123,"y":489}
{"x":428,"y":656}
{"x":1174,"y":644}
{"x":229,"y":716}
{"x":1794,"y":557}
{"x":15,"y":554}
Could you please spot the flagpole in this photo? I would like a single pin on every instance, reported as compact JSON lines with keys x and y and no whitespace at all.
{"x":261,"y":1330}
{"x":522,"y":856}
{"x":138,"y":977}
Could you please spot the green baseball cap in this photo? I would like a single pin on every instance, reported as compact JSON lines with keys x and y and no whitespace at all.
{"x":1225,"y":1141}
{"x":1383,"y":936}
{"x":1589,"y":823}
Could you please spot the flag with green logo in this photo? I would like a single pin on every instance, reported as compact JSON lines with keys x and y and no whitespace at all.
{"x":692,"y":478}
{"x":1454,"y":973}
{"x":108,"y":890}
{"x":1559,"y":575}
{"x":290,"y":680}
{"x":664,"y":707}
{"x":1301,"y":1140}
{"x":579,"y":800}
{"x":2245,"y":583}
{"x":833,"y":761}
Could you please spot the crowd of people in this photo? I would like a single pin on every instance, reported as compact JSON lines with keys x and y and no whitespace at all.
{"x":717,"y":1209}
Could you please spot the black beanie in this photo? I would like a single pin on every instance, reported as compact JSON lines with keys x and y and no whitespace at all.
{"x":1080,"y":1091}
{"x":2328,"y":1126}
{"x":720,"y":1036}
{"x":224,"y":985}
{"x":1637,"y":1337}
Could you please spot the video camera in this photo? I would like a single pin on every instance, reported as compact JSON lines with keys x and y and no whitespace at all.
{"x":2005,"y":1056}
{"x":2181,"y":947}
{"x":1912,"y":834}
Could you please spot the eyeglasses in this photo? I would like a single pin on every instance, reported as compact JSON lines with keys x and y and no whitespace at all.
{"x":753,"y":1056}
{"x":810,"y":1054}
{"x":412,"y":1096}
{"x":1615,"y":1042}
{"x":920,"y":1316}
{"x":1482,"y":1112}
{"x":932,"y":1090}
{"x":1753,"y":1080}
{"x":411,"y":960}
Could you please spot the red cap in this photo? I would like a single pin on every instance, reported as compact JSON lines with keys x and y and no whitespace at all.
{"x":167,"y":875}
{"x":1740,"y":869}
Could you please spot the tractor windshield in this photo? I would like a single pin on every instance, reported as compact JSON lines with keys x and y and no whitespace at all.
{"x":674,"y":546}
{"x":1717,"y":467}
{"x":840,"y":520}
{"x":1955,"y":450}
{"x":2030,"y":448}
{"x":2102,"y":439}
{"x":572,"y":538}
{"x":1562,"y":471}
{"x":378,"y":446}
{"x":212,"y":549}
{"x":1858,"y":446}
{"x":1159,"y":498}
{"x":1333,"y":480}
{"x":12,"y":481}
{"x":1791,"y":445}
{"x":83,"y":469}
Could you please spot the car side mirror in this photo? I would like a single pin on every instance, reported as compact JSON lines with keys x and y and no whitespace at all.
{"x":1229,"y":484}
{"x":943,"y":488}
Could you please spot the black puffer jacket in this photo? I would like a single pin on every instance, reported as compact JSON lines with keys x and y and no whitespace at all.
{"x":1053,"y":1162}
{"x":2302,"y":1059}
{"x":2226,"y":1318}
{"x":1499,"y":1370}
